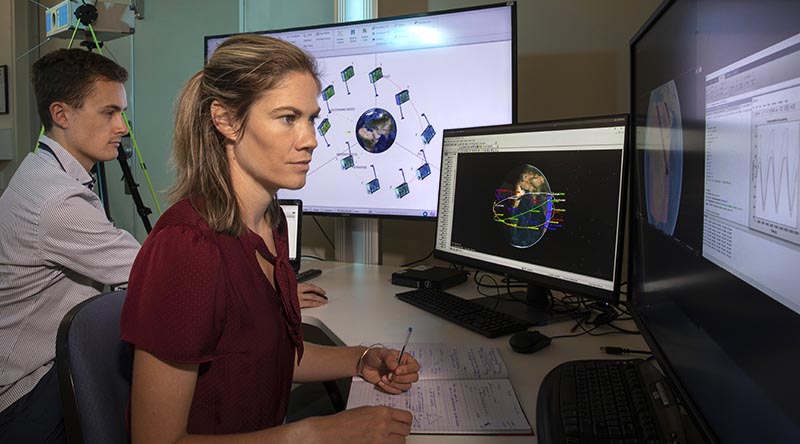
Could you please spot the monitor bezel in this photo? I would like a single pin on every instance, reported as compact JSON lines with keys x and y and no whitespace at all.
{"x":299,"y":240}
{"x":610,"y":296}
{"x":634,"y":233}
{"x":514,"y":90}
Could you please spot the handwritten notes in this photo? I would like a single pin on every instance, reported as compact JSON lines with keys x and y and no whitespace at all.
{"x":462,"y":390}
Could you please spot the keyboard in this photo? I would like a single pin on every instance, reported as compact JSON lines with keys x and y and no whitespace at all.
{"x":308,"y":274}
{"x":607,"y":402}
{"x":463,"y":312}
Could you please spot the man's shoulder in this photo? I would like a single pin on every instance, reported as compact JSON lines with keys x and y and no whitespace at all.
{"x":39,"y":180}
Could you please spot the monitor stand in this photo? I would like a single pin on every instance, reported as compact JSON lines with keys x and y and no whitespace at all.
{"x":533,"y":305}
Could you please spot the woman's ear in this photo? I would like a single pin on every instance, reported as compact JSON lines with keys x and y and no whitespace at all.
{"x":223,"y":121}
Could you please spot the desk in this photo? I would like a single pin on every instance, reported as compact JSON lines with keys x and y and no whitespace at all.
{"x":362,"y":309}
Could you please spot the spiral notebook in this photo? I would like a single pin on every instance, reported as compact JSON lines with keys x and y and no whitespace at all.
{"x":463,"y":389}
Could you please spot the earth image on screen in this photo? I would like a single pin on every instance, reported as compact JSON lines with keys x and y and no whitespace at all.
{"x":524,"y":206}
{"x":376,"y":130}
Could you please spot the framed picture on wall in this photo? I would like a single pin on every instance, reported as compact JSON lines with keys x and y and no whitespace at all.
{"x":3,"y":89}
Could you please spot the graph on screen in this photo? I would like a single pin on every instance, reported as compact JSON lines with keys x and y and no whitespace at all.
{"x":776,"y":172}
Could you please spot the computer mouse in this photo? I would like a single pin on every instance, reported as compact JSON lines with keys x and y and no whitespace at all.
{"x":528,"y":341}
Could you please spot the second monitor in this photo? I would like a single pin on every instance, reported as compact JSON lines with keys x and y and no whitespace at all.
{"x":539,"y":202}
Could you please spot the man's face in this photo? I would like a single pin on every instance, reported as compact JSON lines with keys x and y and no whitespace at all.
{"x":93,"y":131}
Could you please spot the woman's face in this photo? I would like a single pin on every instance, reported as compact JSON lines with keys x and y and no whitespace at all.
{"x":279,"y":135}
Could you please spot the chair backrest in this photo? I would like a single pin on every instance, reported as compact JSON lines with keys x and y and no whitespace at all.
{"x":94,"y":371}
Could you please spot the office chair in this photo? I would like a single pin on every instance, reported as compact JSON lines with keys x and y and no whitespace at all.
{"x":94,"y":371}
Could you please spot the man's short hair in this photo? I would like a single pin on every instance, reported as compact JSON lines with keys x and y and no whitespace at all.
{"x":69,"y":75}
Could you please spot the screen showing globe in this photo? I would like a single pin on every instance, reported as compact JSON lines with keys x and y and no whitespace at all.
{"x":390,"y":87}
{"x":541,"y":202}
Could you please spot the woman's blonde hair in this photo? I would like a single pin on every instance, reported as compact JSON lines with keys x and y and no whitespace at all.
{"x":240,"y":71}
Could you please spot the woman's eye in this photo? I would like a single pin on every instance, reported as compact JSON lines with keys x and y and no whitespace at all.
{"x":288,"y":119}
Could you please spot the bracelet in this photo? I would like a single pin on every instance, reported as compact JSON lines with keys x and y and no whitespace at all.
{"x":360,"y":362}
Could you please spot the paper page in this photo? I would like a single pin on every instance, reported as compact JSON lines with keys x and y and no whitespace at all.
{"x":456,"y":361}
{"x":471,"y":406}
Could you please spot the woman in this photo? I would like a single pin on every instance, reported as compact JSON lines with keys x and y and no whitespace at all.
{"x":212,"y":308}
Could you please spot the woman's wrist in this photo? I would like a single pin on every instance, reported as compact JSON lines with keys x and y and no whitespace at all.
{"x":363,"y":357}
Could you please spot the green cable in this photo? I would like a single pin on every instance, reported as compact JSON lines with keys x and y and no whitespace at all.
{"x":141,"y":164}
{"x":133,"y":139}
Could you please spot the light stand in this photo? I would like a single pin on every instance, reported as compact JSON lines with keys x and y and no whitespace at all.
{"x":133,"y":187}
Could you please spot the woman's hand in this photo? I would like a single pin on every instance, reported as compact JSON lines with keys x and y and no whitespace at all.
{"x":367,"y":425}
{"x":310,"y":295}
{"x":380,"y":367}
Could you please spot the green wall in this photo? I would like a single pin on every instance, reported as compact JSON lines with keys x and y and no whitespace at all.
{"x":168,"y":49}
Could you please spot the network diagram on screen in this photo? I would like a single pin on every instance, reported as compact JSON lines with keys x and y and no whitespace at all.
{"x":389,"y":89}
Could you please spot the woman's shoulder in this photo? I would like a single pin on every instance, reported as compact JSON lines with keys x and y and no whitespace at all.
{"x":182,"y":214}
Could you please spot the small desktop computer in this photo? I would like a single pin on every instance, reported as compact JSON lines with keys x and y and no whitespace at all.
{"x":429,"y":276}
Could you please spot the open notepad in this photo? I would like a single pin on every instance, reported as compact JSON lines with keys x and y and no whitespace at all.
{"x":463,"y":389}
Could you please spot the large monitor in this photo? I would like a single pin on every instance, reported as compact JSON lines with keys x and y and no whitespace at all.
{"x":539,"y":202}
{"x":390,"y":87}
{"x":715,"y":240}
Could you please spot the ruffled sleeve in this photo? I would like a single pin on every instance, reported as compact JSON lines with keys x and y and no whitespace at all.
{"x":176,"y":296}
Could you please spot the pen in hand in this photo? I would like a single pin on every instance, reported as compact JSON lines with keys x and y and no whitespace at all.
{"x":408,"y":336}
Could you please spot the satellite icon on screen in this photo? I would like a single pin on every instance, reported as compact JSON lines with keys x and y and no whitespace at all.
{"x":327,"y":93}
{"x":347,"y":74}
{"x":374,"y":184}
{"x":323,"y":128}
{"x":348,"y":161}
{"x":402,"y":189}
{"x":429,"y":132}
{"x":424,"y":170}
{"x":401,"y":98}
{"x":375,"y":75}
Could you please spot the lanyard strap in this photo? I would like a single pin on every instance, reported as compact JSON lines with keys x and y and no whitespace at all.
{"x":42,"y":146}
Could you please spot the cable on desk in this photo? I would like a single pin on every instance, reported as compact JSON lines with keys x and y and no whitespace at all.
{"x":418,"y":260}
{"x":613,"y":350}
{"x":323,"y":233}
{"x":308,"y":256}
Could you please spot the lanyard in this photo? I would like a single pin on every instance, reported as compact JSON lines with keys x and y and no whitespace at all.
{"x":44,"y":147}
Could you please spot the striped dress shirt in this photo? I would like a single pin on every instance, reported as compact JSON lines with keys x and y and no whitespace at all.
{"x":57,"y":248}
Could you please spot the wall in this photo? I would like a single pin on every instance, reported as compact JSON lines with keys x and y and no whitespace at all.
{"x":6,"y":58}
{"x":259,"y":15}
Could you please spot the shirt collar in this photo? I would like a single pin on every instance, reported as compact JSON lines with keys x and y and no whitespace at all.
{"x":70,"y":164}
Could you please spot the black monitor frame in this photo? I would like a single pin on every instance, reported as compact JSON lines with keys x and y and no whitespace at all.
{"x":709,"y":330}
{"x":297,"y":203}
{"x":539,"y":280}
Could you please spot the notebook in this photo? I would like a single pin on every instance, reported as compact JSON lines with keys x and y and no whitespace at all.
{"x":463,"y":389}
{"x":293,"y":209}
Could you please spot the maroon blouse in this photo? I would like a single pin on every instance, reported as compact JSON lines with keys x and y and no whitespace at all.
{"x":198,"y":296}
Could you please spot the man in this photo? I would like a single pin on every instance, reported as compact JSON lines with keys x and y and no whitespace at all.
{"x":57,"y":248}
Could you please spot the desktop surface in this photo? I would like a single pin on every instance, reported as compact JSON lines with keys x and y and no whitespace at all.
{"x":363,"y":309}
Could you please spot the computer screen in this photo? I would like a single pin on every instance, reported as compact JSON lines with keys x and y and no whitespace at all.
{"x":293,"y":209}
{"x":715,"y":240}
{"x":390,"y":87}
{"x":540,"y":202}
